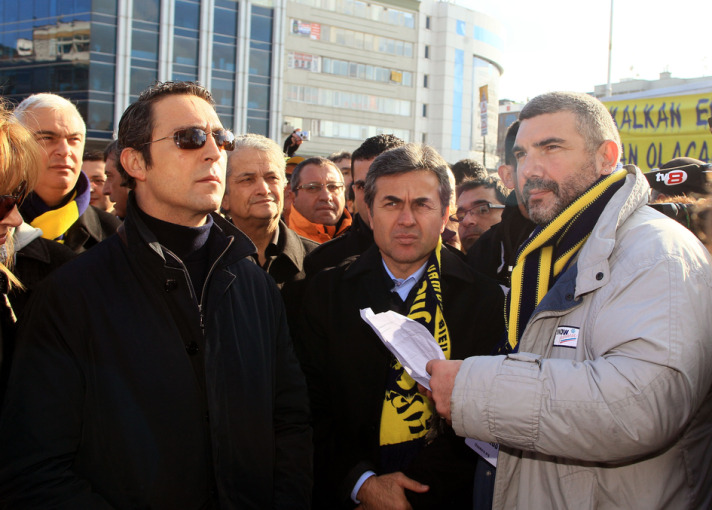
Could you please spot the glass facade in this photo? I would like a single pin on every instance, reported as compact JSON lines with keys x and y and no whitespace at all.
{"x":185,"y":40}
{"x":70,"y":47}
{"x":259,"y":66}
{"x":66,"y":47}
{"x":224,"y":60}
{"x":144,"y":46}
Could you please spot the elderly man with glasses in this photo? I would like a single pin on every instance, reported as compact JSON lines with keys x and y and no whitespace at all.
{"x":318,"y":200}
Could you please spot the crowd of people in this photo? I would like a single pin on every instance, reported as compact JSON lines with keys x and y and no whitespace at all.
{"x":182,"y":318}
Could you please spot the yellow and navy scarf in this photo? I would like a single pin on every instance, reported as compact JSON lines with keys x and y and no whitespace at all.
{"x":54,"y":222}
{"x":406,"y":413}
{"x":548,"y":252}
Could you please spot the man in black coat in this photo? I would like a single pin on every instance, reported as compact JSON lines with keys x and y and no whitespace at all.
{"x":59,"y":204}
{"x":374,"y":441}
{"x":254,"y":200}
{"x":156,"y":371}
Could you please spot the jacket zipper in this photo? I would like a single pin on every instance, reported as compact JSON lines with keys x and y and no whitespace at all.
{"x":201,"y":310}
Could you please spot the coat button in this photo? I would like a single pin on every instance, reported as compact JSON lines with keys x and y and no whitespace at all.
{"x":170,"y":285}
{"x":599,"y":276}
{"x":569,"y":297}
{"x":192,"y":348}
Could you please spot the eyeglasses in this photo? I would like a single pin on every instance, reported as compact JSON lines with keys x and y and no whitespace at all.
{"x":480,"y":209}
{"x":194,"y":138}
{"x":316,"y":187}
{"x":8,"y":202}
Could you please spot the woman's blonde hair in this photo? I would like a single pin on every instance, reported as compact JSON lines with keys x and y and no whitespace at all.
{"x":20,"y":160}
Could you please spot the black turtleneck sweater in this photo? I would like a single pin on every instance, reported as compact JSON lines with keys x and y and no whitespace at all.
{"x":189,"y":244}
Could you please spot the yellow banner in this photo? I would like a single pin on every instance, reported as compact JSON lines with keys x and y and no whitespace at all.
{"x":657,"y":129}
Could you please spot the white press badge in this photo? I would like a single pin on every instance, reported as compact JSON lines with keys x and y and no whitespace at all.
{"x":566,"y":336}
{"x":487,"y":451}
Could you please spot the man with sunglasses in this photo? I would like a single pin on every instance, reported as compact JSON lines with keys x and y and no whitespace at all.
{"x":60,"y":203}
{"x":479,"y":206}
{"x":318,"y":200}
{"x":156,"y":371}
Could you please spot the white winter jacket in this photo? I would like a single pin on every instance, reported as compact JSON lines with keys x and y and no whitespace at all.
{"x":619,"y":414}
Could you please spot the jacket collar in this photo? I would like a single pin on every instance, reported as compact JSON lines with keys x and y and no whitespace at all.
{"x":293,"y":249}
{"x":452,"y":265}
{"x":136,"y":231}
{"x":315,"y":231}
{"x":593,"y":261}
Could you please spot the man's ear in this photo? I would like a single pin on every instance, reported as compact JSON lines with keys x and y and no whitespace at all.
{"x":225,"y":204}
{"x":134,"y":164}
{"x":369,"y":217}
{"x":608,"y":155}
{"x":506,"y":173}
{"x":445,"y":219}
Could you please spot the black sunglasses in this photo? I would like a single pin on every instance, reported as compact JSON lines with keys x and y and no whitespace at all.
{"x":8,"y":202}
{"x":194,"y":138}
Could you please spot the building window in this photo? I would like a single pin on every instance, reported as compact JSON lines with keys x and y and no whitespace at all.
{"x":424,"y":138}
{"x":427,"y":51}
{"x":425,"y":81}
{"x":427,"y":22}
{"x":425,"y":110}
{"x":460,"y":27}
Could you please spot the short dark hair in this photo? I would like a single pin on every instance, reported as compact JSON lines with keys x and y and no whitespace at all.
{"x":318,"y":161}
{"x":112,"y":151}
{"x":338,"y":156}
{"x":409,"y":157}
{"x":509,"y":140}
{"x":593,"y":121}
{"x":93,"y":156}
{"x":468,"y":169}
{"x":501,"y":191}
{"x":372,"y":147}
{"x":137,"y":122}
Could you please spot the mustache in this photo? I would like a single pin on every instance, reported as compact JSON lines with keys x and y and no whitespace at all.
{"x":540,"y":184}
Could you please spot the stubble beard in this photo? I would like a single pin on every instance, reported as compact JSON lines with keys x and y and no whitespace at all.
{"x":564,"y":194}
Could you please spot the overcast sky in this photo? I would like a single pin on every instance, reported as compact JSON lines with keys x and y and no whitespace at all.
{"x":563,"y":44}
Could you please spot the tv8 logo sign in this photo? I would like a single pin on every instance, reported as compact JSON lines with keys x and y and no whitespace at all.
{"x":674,"y":177}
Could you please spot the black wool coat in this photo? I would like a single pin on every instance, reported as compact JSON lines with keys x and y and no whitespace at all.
{"x":91,"y":228}
{"x":126,"y":392}
{"x":346,"y":366}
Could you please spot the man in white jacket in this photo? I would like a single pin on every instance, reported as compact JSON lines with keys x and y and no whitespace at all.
{"x":600,"y":395}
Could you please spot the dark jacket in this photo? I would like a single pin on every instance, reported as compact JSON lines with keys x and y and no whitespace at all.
{"x":347,"y":365}
{"x":287,"y":266}
{"x":356,"y":240}
{"x":287,"y":269}
{"x":90,"y":229}
{"x":124,"y":393}
{"x":33,"y":263}
{"x":495,"y":252}
{"x":7,"y":334}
